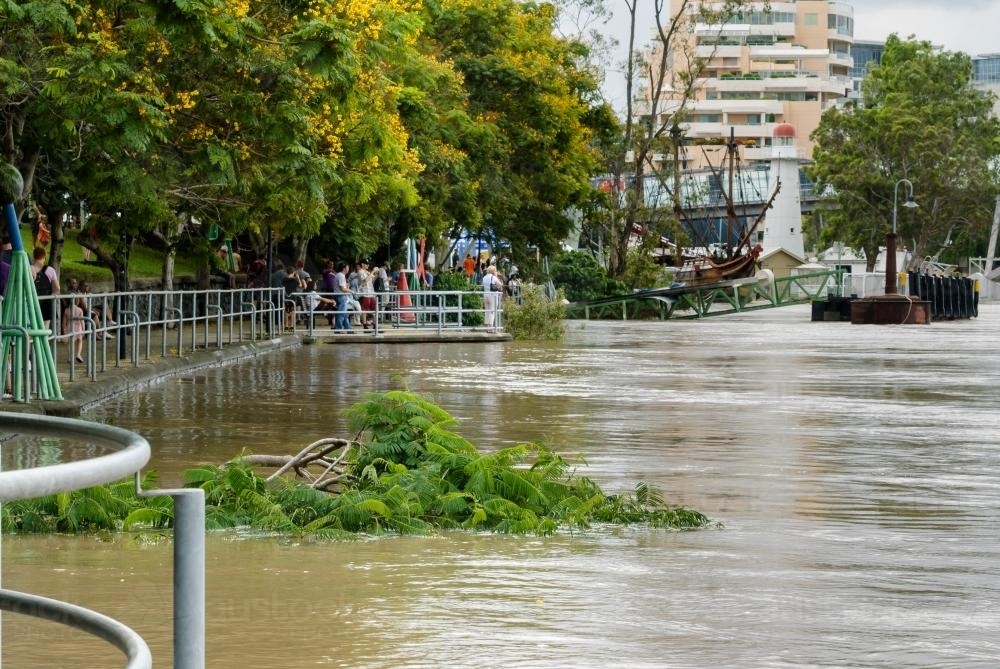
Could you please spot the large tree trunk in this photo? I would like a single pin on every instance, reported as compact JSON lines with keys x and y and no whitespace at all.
{"x":108,"y":259}
{"x":170,"y":240}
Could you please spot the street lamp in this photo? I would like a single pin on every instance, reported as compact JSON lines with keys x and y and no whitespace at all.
{"x":909,"y":204}
{"x":890,"y":239}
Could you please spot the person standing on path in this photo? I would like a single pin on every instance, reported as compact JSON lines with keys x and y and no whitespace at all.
{"x":46,"y":283}
{"x":366,"y":289}
{"x":492,"y":290}
{"x":341,"y":322}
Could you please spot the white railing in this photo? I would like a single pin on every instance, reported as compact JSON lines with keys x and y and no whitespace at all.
{"x":442,"y":310}
{"x":131,"y":453}
{"x":121,"y":329}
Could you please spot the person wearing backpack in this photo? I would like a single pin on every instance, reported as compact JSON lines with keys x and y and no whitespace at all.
{"x":46,"y":283}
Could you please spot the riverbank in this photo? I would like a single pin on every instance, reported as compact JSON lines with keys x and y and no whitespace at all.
{"x":81,"y":391}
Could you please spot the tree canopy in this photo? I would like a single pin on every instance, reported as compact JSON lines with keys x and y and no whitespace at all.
{"x":354,"y":122}
{"x":919,"y":118}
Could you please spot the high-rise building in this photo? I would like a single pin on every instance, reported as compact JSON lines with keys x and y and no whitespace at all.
{"x":986,"y":76}
{"x":778,"y":62}
{"x":866,"y":55}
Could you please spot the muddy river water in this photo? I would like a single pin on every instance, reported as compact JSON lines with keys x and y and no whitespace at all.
{"x":855,"y":470}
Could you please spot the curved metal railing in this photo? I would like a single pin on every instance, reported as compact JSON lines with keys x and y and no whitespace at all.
{"x":64,"y":477}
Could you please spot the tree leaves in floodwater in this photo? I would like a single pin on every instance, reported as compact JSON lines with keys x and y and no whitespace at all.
{"x":408,"y":473}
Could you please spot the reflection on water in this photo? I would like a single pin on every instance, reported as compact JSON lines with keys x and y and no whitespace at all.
{"x":854,"y":467}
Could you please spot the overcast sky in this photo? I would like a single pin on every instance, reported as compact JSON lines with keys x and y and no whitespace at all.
{"x":957,"y":25}
{"x":972,"y":26}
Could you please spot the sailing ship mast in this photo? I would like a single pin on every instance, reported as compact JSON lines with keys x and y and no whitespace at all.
{"x":675,"y":139}
{"x":730,"y":206}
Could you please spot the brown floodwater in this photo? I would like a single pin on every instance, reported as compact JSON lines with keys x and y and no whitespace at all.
{"x":855,"y":470}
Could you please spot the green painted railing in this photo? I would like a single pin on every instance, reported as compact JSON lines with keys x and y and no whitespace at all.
{"x":712,"y":300}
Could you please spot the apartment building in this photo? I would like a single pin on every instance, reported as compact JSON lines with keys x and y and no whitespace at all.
{"x":778,"y":62}
{"x":986,"y":76}
{"x":985,"y":69}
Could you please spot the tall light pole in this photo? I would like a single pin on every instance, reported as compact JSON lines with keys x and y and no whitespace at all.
{"x":890,"y":239}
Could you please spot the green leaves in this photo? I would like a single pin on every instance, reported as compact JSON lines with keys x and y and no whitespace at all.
{"x":412,"y":475}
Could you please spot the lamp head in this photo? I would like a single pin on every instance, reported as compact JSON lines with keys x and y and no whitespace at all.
{"x":910,"y":203}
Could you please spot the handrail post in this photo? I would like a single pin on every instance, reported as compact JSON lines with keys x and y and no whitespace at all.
{"x":133,"y":318}
{"x":91,"y":333}
{"x":218,"y":325}
{"x":253,"y":321}
{"x":180,"y":328}
{"x":21,"y":392}
{"x":189,"y":573}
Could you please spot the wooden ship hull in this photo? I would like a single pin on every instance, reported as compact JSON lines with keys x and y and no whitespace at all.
{"x":707,"y":270}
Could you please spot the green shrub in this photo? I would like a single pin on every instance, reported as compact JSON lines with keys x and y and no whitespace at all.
{"x":533,"y":315}
{"x":581,"y":277}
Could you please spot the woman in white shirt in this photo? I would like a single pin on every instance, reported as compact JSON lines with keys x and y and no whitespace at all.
{"x":492,"y":291}
{"x":366,"y":291}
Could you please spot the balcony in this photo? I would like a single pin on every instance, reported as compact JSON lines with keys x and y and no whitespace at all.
{"x":715,"y":130}
{"x":736,"y":106}
{"x":713,"y":51}
{"x":775,"y":29}
{"x":767,"y":152}
{"x":787,"y":53}
{"x":710,"y":30}
{"x":842,"y":59}
{"x":841,"y":9}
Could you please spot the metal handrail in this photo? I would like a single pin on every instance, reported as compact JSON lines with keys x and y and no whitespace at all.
{"x":189,"y":536}
{"x":67,"y":476}
{"x":121,"y":636}
{"x":64,"y":477}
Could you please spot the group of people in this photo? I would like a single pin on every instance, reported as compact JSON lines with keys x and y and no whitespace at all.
{"x":75,"y":310}
{"x":349,"y":294}
{"x":342,"y":288}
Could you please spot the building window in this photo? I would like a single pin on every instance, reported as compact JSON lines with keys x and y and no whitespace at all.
{"x":811,"y":19}
{"x":844,"y":25}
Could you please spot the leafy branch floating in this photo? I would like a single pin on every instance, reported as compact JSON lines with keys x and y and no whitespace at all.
{"x":405,"y":472}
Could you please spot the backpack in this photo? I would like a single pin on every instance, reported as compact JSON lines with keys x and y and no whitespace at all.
{"x":379,"y":283}
{"x":330,"y":282}
{"x":43,"y":284}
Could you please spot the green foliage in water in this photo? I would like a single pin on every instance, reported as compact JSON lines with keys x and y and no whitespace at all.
{"x":110,"y":507}
{"x":533,"y":316}
{"x":407,"y":473}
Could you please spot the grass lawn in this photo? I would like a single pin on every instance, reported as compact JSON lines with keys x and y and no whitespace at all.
{"x":143,"y":263}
